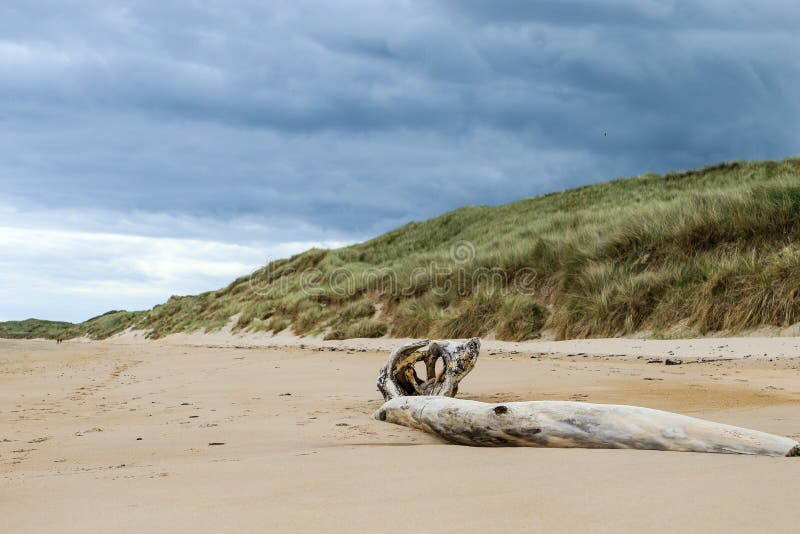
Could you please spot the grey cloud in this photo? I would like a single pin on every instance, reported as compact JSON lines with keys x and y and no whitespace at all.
{"x":641,"y":14}
{"x":357,"y":116}
{"x":255,"y":129}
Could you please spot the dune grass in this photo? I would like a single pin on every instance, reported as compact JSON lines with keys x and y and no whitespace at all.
{"x":706,"y":250}
{"x":33,"y":329}
{"x":104,"y":325}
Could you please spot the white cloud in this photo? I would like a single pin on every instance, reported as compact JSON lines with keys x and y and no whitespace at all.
{"x":68,"y":274}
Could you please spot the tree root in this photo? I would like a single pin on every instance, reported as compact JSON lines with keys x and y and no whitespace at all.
{"x":398,"y":377}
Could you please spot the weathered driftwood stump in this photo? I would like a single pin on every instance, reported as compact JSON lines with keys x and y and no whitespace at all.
{"x":399,"y":378}
{"x":576,"y":424}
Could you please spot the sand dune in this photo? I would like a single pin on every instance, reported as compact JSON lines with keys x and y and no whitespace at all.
{"x":193,"y":434}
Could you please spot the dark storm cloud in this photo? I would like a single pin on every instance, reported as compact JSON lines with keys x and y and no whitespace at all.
{"x":352,"y":117}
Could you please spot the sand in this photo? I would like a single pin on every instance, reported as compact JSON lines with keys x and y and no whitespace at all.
{"x":192,"y":434}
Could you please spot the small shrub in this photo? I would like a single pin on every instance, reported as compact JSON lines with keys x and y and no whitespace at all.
{"x":609,"y":300}
{"x":749,"y":291}
{"x":307,"y":320}
{"x":363,"y":328}
{"x":367,"y":328}
{"x":520,"y":318}
{"x":474,"y":316}
{"x":416,"y":317}
{"x":357,"y":310}
{"x":277,"y":324}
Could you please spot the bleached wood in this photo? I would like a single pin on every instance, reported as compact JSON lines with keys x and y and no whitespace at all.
{"x":398,"y":378}
{"x":576,"y":424}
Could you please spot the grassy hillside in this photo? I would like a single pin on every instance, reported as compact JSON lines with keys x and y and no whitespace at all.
{"x":105,"y":325}
{"x":33,"y":328}
{"x":714,"y":249}
{"x":99,"y":327}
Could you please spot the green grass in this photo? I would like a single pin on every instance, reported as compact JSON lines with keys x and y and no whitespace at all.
{"x":105,"y":325}
{"x":33,"y":329}
{"x":708,"y":250}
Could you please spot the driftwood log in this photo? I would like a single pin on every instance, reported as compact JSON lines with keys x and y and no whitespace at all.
{"x":399,"y":378}
{"x":576,"y":424}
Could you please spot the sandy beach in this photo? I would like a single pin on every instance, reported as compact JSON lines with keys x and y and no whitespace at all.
{"x":212,"y":434}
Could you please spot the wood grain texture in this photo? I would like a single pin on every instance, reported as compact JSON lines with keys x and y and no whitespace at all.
{"x":398,"y":377}
{"x":576,"y":425}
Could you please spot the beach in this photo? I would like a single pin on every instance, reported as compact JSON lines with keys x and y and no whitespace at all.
{"x":218,"y":433}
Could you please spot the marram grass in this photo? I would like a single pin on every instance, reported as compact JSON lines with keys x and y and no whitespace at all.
{"x":710,"y":250}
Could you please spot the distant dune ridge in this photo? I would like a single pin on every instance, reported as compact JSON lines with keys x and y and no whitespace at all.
{"x":686,"y":253}
{"x":33,"y":328}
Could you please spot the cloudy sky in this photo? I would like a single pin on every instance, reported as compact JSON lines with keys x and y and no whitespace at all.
{"x":158,"y":148}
